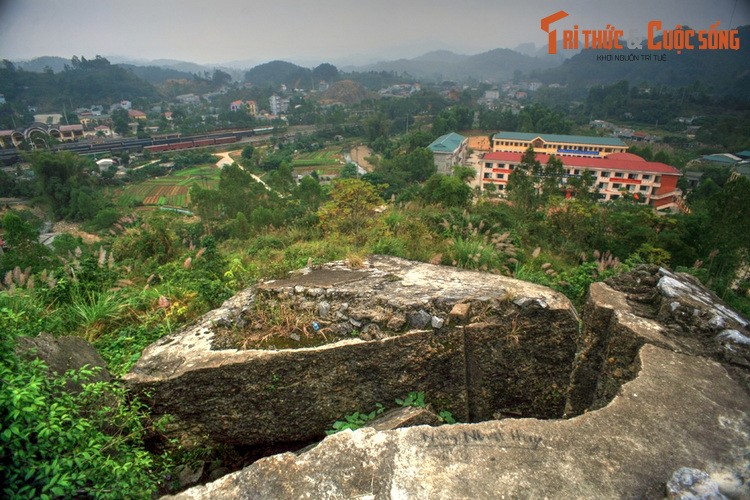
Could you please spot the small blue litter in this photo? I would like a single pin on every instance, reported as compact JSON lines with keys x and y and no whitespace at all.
{"x":315,"y":326}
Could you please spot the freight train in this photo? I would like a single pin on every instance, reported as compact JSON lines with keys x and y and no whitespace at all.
{"x":156,"y":144}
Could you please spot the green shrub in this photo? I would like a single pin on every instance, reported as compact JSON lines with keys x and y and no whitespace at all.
{"x":55,"y":444}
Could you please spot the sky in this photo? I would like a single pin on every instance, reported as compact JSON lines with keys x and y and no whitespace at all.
{"x":311,"y":32}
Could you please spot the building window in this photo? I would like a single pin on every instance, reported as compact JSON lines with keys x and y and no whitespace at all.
{"x":644,"y":188}
{"x":654,"y":190}
{"x":605,"y":174}
{"x":500,"y":187}
{"x":616,"y":186}
{"x":646,"y":177}
{"x":614,"y":197}
{"x":488,"y":175}
{"x":602,"y":185}
{"x":577,"y":171}
{"x":511,"y":167}
{"x":632,"y":176}
{"x":657,"y":178}
{"x":488,"y":165}
{"x":500,"y":176}
{"x":619,"y":174}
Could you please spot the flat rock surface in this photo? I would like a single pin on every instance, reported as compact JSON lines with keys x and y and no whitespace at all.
{"x":680,"y":411}
{"x":513,"y":352}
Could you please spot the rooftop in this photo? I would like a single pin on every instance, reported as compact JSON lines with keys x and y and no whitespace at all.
{"x":626,"y":164}
{"x":446,"y":143}
{"x":557,"y":138}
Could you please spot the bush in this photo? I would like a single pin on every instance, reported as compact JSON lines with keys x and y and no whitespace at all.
{"x":57,"y":444}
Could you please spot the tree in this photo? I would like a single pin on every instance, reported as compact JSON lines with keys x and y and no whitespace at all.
{"x":447,"y":190}
{"x":309,"y":192}
{"x":521,"y":183}
{"x":551,"y":179}
{"x":350,"y":208}
{"x":247,"y":152}
{"x":63,"y":182}
{"x":121,"y":121}
{"x":349,"y":171}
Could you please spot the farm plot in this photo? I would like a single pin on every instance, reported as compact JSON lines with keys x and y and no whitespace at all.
{"x":323,"y":158}
{"x":171,"y":190}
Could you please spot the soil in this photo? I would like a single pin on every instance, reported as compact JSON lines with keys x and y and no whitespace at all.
{"x":360,"y":155}
{"x":75,"y":230}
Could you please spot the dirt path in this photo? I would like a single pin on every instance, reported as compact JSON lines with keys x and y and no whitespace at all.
{"x":360,"y":154}
{"x":75,"y":230}
{"x":226,"y":159}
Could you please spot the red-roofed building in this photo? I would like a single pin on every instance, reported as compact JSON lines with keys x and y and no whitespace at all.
{"x":617,"y":174}
{"x":135,"y":114}
{"x":250,"y":106}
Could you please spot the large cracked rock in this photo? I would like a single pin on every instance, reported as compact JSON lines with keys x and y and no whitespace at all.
{"x":650,"y":305}
{"x":477,"y":344}
{"x":680,"y":411}
{"x":657,"y":398}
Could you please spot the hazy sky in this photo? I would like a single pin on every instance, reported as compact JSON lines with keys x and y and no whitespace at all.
{"x":310,"y":32}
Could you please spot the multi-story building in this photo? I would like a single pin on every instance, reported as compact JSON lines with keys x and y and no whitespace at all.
{"x":616,"y":175}
{"x":448,"y":150}
{"x":278,"y":104}
{"x":556,"y":144}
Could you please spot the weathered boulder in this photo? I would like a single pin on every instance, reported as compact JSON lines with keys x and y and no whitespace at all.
{"x":511,"y":355}
{"x":680,"y":411}
{"x":61,"y":354}
{"x":650,"y":305}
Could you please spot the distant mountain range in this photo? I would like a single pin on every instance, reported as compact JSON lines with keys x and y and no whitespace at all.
{"x":494,"y":65}
{"x":723,"y":71}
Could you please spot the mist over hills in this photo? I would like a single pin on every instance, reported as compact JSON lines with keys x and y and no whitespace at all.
{"x":722,"y":71}
{"x":493,"y":65}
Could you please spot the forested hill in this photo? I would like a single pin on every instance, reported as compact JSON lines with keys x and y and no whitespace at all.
{"x":726,"y":72}
{"x":275,"y":73}
{"x":82,"y":83}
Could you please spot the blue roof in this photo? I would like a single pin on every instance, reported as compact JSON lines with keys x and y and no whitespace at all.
{"x":557,"y":138}
{"x":447,"y":143}
{"x":743,"y":154}
{"x":720,"y":158}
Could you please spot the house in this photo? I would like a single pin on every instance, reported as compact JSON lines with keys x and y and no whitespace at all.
{"x":725,"y":159}
{"x":49,"y":119}
{"x":188,"y":99}
{"x":135,"y":114}
{"x":615,"y":175}
{"x":250,"y":106}
{"x":449,"y":150}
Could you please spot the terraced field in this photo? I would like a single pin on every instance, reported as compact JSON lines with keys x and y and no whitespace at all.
{"x":170,"y":191}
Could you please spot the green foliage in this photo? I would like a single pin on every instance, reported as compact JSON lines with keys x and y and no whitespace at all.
{"x":63,"y":182}
{"x":60,"y":444}
{"x":350,"y":208}
{"x":447,"y":190}
{"x":414,"y":398}
{"x":356,"y":420}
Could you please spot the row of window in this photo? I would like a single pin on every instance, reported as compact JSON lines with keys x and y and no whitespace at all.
{"x":578,"y":171}
{"x":556,"y":146}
